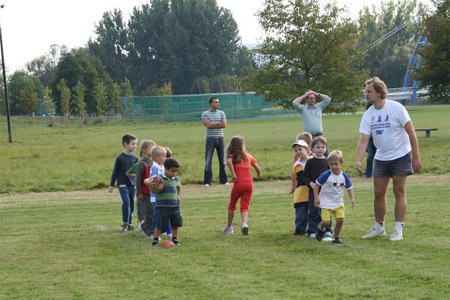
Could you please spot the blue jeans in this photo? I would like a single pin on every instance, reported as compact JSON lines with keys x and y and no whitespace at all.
{"x":301,"y":216}
{"x":155,"y":220}
{"x":314,"y":217}
{"x":371,"y":150}
{"x":127,"y":194}
{"x":218,"y":144}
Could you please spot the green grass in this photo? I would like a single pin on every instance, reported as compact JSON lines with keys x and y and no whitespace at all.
{"x":56,"y":158}
{"x":66,"y":245}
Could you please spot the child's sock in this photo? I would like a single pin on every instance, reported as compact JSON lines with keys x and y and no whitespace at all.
{"x":155,"y":241}
{"x":399,"y":226}
{"x":175,"y":240}
{"x":244,"y":225}
{"x":379,"y":225}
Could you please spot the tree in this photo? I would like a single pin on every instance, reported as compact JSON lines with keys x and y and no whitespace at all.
{"x":20,"y":81}
{"x":28,"y":101}
{"x":389,"y":59}
{"x":43,"y":67}
{"x":79,"y":93}
{"x":111,"y":43}
{"x":79,"y":65}
{"x":101,"y":98}
{"x":307,"y":47}
{"x":65,"y":99}
{"x":434,"y":72}
{"x":127,"y":93}
{"x":116,"y":103}
{"x":48,"y":105}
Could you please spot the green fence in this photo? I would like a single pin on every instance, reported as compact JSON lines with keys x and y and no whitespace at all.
{"x":190,"y":107}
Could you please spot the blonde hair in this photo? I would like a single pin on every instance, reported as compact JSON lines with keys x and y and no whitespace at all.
{"x":145,"y":144}
{"x":236,"y":149}
{"x":378,"y":85}
{"x":158,"y":151}
{"x":168,"y":152}
{"x":319,"y":139}
{"x":335,"y":155}
{"x":305,"y":136}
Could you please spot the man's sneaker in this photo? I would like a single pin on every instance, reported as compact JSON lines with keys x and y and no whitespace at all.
{"x":140,"y":223}
{"x":176,"y":241}
{"x":206,"y":184}
{"x":373,"y":232}
{"x":228,"y":230}
{"x":123,"y":228}
{"x":319,"y":234}
{"x":312,"y":235}
{"x":245,"y":230}
{"x":130,"y":228}
{"x":337,"y":241}
{"x":396,"y":236}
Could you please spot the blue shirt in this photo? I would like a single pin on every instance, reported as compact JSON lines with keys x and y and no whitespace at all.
{"x":312,"y":116}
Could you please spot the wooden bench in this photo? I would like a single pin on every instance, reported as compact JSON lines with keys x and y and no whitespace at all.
{"x":427,"y":131}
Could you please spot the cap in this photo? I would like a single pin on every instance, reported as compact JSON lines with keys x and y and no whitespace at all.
{"x":300,"y":143}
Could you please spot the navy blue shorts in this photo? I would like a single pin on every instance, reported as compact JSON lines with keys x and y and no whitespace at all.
{"x":169,"y":214}
{"x":398,"y":167}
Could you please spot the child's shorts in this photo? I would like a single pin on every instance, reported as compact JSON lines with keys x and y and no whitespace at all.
{"x":339,"y":213}
{"x":169,"y":214}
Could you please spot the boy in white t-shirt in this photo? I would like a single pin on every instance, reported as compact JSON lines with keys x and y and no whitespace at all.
{"x":330,"y":199}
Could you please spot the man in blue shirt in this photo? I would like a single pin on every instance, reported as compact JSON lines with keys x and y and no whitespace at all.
{"x":312,"y":112}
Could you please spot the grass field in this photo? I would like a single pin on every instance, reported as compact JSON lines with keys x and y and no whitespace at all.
{"x":63,"y":241}
{"x":65,"y":159}
{"x":66,"y":245}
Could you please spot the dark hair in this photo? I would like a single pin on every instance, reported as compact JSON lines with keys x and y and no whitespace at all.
{"x":236,"y":149}
{"x":171,"y":163}
{"x":127,"y":138}
{"x":212,"y":99}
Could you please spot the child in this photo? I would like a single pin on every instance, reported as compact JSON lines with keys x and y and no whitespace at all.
{"x":159,"y":157}
{"x":239,"y":162}
{"x":313,"y":168}
{"x":168,"y":152}
{"x":126,"y":189}
{"x":301,"y":150}
{"x":168,"y":202}
{"x":331,"y":196}
{"x":307,"y":137}
{"x":142,"y":191}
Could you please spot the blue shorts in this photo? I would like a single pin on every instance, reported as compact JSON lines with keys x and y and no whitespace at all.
{"x":398,"y":167}
{"x":169,"y":214}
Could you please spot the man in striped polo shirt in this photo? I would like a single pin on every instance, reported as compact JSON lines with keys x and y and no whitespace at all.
{"x":214,"y":121}
{"x":312,"y":112}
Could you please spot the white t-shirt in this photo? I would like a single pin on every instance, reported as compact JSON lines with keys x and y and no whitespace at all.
{"x":333,"y":186}
{"x":387,"y":127}
{"x":156,"y":170}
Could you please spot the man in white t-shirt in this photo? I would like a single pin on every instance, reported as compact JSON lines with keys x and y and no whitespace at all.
{"x":397,"y":154}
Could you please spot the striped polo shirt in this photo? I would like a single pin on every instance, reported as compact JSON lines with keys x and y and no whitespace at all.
{"x":213,"y":117}
{"x":312,"y":116}
{"x":168,"y":197}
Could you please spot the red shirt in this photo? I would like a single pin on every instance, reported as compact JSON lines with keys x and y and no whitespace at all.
{"x":242,"y":169}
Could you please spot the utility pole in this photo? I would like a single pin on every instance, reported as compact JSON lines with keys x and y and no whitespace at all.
{"x":5,"y":87}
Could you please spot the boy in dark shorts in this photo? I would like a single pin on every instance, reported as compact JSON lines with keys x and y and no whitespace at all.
{"x":168,"y":200}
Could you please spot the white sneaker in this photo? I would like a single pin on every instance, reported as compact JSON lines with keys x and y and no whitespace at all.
{"x":228,"y":230}
{"x":207,"y":184}
{"x":396,"y":236}
{"x":312,"y":236}
{"x":375,"y":232}
{"x":327,"y":237}
{"x":226,"y":183}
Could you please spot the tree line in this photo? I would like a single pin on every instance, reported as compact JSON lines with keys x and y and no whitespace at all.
{"x":193,"y":46}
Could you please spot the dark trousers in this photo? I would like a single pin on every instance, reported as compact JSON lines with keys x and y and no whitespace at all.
{"x":218,"y":144}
